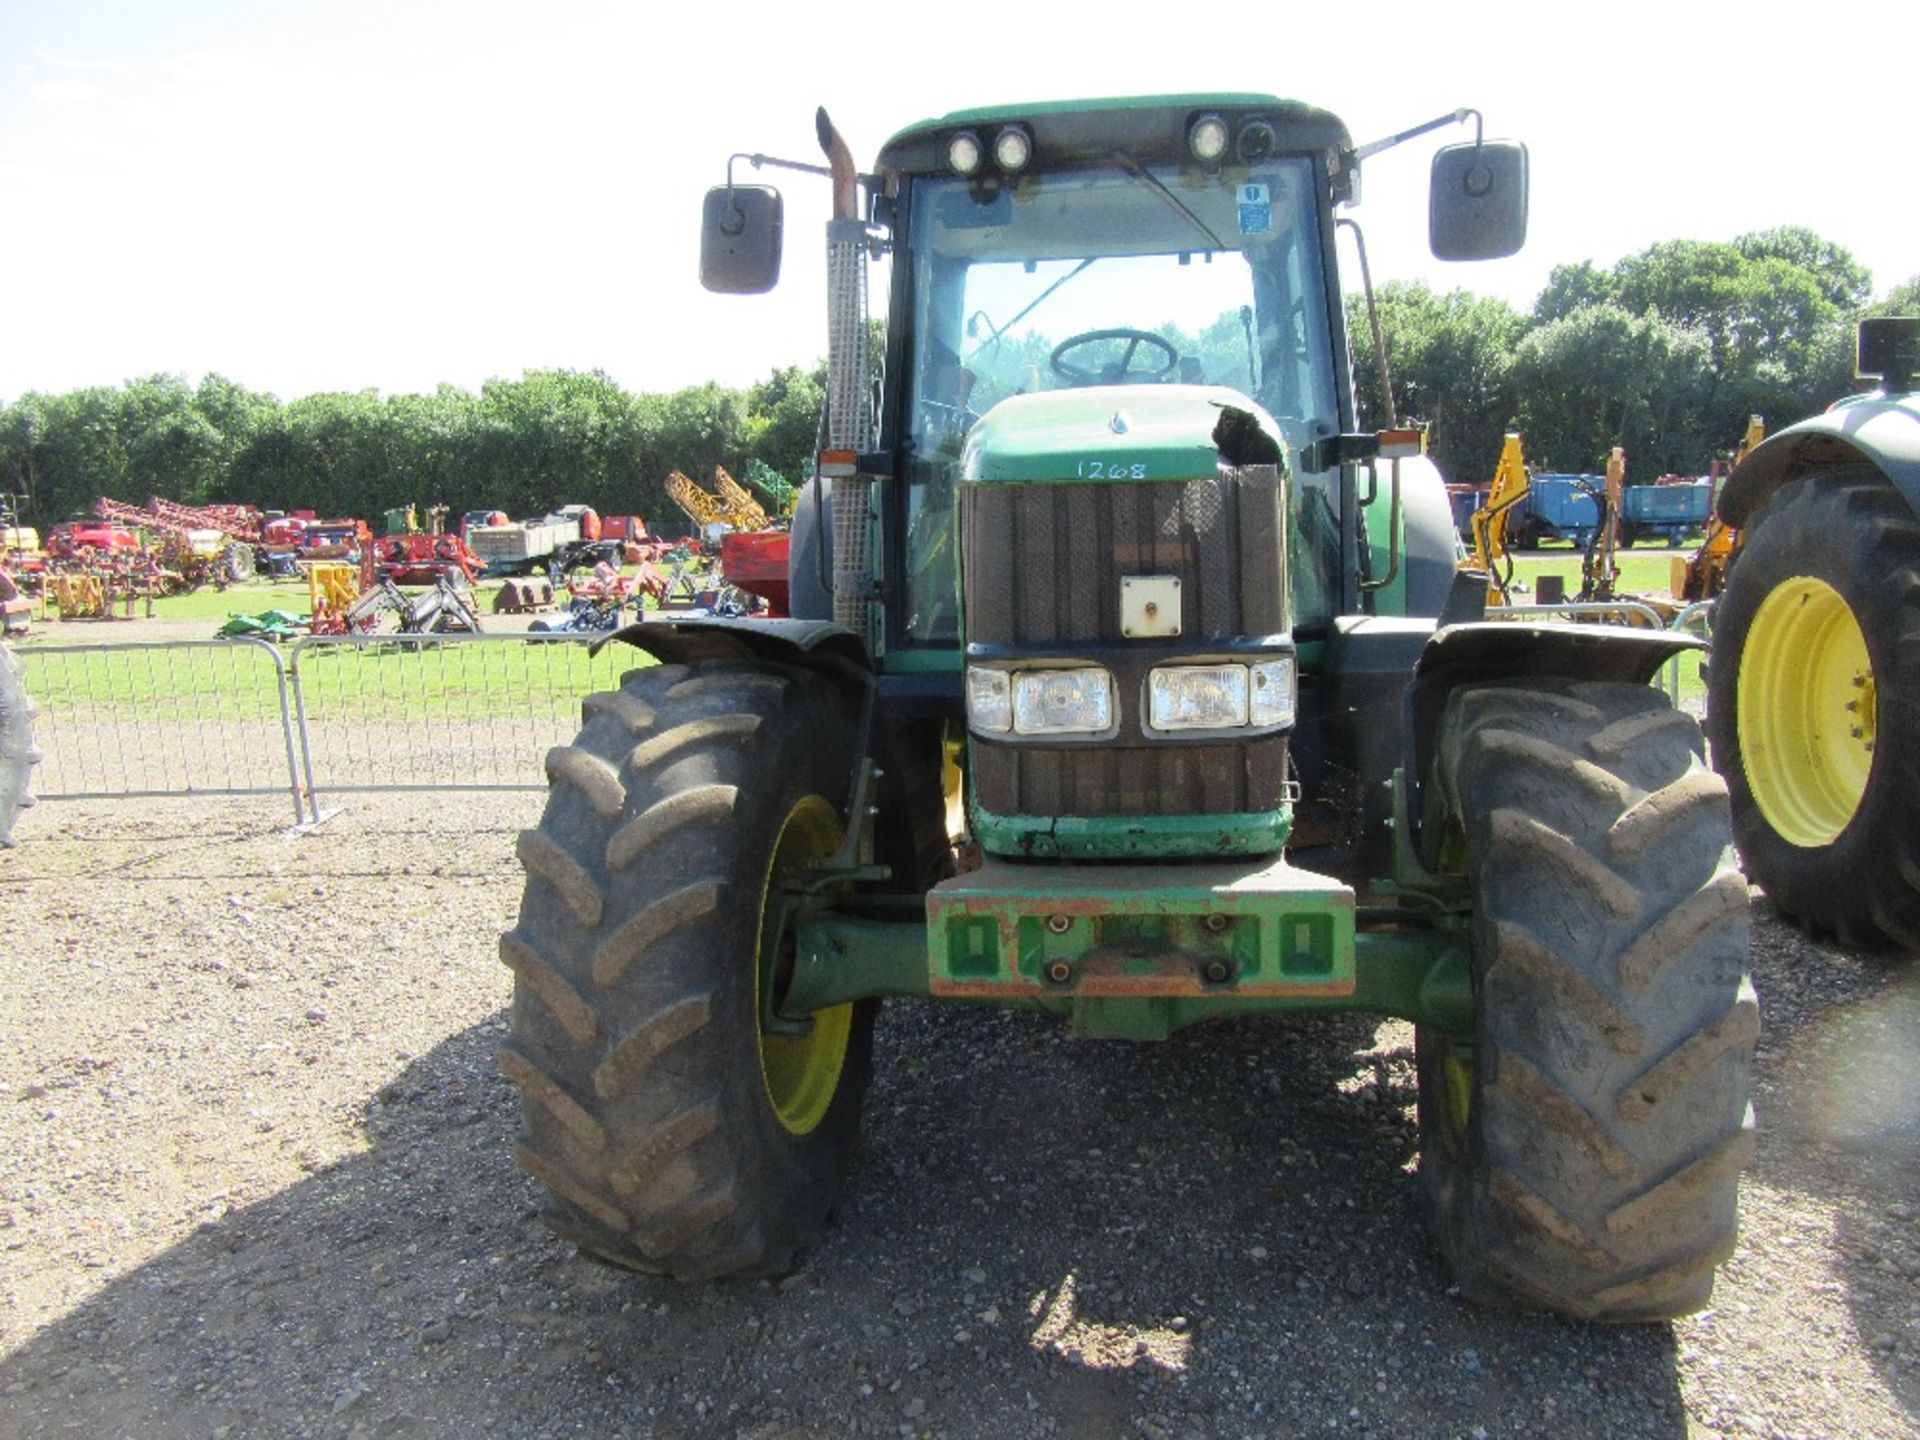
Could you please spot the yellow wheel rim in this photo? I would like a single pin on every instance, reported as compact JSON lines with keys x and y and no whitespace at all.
{"x":1805,"y":712}
{"x":802,"y":1072}
{"x":1458,"y":1074}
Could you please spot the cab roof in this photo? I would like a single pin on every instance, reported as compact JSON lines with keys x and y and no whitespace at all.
{"x":1148,"y":127}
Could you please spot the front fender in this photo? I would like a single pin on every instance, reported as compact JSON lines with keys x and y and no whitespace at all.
{"x":683,"y":639}
{"x":1500,"y":650}
{"x":1876,"y":430}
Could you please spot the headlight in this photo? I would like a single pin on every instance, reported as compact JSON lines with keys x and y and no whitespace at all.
{"x":1207,"y":139}
{"x":1256,"y":141}
{"x":964,"y":153}
{"x":1198,"y":697}
{"x":989,"y":700}
{"x":1062,"y":702}
{"x":1272,"y":693}
{"x":1012,"y":148}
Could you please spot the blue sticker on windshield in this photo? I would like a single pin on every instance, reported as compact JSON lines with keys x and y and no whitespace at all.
{"x":1256,"y":210}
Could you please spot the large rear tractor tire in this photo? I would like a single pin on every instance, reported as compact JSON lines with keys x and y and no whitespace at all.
{"x":17,"y":755}
{"x":1813,"y":705}
{"x":675,"y":1133}
{"x":1580,"y":1154}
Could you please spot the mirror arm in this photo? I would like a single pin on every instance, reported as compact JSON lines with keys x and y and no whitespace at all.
{"x":1456,"y":117}
{"x":759,"y":161}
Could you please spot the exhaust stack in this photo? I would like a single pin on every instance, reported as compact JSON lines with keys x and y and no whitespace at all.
{"x":849,"y":420}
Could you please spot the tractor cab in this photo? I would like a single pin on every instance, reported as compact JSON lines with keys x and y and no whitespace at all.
{"x":1126,"y":297}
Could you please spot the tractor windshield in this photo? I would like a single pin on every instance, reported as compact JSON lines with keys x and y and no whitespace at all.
{"x":1113,"y":274}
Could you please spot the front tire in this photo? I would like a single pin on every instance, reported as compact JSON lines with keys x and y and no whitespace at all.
{"x":1813,"y":705}
{"x":1580,"y":1152}
{"x":674,"y":1132}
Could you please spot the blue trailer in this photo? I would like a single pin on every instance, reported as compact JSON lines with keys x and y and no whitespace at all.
{"x":1670,"y":511}
{"x":1466,"y":500}
{"x":1560,"y":507}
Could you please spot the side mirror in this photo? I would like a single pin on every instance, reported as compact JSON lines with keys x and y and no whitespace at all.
{"x":1888,"y":350}
{"x":740,"y":239}
{"x":1477,"y":206}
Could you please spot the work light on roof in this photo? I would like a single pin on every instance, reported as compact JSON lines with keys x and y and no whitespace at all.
{"x":1012,"y":148}
{"x":1256,"y":141}
{"x":964,"y":153}
{"x":1207,"y":138}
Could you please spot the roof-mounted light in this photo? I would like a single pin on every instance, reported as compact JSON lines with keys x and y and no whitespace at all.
{"x":964,"y":153}
{"x":1012,"y":148}
{"x":1207,"y":138}
{"x":1256,"y":141}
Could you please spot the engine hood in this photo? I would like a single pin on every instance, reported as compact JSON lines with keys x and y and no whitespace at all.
{"x":1103,"y":434}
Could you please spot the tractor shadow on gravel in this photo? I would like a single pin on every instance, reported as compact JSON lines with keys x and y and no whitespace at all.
{"x":1838,"y":1095}
{"x":1219,"y":1234}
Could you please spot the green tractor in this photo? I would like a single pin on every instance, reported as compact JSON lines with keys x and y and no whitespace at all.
{"x":1814,"y":689}
{"x":1129,"y":681}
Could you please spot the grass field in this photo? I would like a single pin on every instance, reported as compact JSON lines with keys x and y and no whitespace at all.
{"x":1642,"y":572}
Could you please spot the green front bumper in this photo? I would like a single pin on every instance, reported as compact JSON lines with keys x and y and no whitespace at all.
{"x":1138,"y":951}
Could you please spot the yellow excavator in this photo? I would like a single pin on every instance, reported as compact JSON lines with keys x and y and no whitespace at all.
{"x":1490,"y":554}
{"x":1703,"y":574}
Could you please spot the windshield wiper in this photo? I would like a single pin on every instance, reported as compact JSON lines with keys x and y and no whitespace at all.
{"x":1140,"y":172}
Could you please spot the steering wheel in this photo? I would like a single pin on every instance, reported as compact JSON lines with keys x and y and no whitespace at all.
{"x":1117,"y":372}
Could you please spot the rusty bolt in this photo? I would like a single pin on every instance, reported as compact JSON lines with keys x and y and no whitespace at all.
{"x":1218,"y":972}
{"x":1059,"y":971}
{"x":1858,"y":733}
{"x":1215,"y":923}
{"x":1059,"y":924}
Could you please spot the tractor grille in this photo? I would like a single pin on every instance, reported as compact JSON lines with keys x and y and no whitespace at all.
{"x":1044,"y":562}
{"x":1043,"y":565}
{"x":1128,"y":782}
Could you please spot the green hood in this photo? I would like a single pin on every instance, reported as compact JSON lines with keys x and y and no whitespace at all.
{"x":1104,"y":433}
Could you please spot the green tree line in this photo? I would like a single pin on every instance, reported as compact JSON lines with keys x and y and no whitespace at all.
{"x":1665,"y":353}
{"x":551,"y":437}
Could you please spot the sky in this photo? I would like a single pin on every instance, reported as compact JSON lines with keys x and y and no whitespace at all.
{"x":314,"y":195}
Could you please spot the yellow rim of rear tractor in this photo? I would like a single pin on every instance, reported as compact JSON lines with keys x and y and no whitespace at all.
{"x":1805,"y":703}
{"x":1458,"y":1074}
{"x":802,"y":1072}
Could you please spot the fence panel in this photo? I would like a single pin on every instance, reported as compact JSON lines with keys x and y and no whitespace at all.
{"x":1697,"y":616}
{"x":185,"y":717}
{"x":441,"y":712}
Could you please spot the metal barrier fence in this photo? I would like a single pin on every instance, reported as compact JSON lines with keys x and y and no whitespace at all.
{"x":337,"y":714}
{"x":440,"y":712}
{"x":334,"y":714}
{"x":193,"y":717}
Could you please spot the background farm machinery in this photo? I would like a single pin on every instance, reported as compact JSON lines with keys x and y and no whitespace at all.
{"x":1567,"y":507}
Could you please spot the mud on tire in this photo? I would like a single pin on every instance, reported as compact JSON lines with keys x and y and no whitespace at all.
{"x":1851,"y":531}
{"x":1582,"y":1154}
{"x":647,"y":1112}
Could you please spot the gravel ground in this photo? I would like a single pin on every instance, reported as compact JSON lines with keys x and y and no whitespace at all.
{"x":255,"y":1179}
